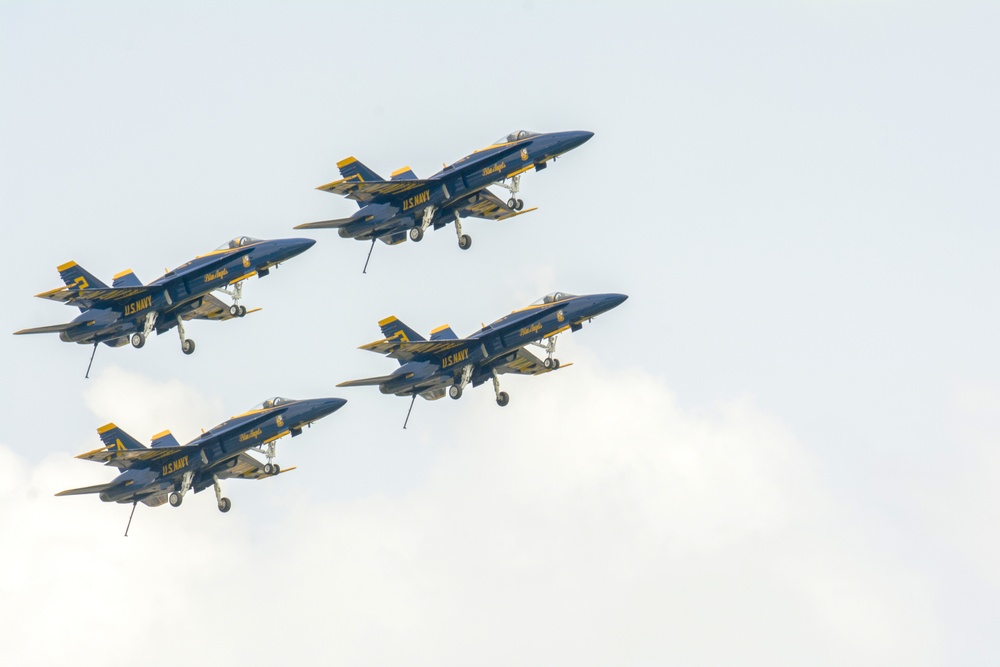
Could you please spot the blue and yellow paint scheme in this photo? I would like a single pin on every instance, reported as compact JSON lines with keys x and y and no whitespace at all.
{"x":167,"y":470}
{"x":405,"y":206}
{"x":129,"y":310}
{"x":447,"y":363}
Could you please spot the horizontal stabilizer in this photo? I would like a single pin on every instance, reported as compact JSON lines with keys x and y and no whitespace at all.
{"x":52,"y":328}
{"x":97,"y":488}
{"x":367,"y":382}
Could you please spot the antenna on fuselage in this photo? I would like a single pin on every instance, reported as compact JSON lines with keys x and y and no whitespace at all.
{"x":87,"y":374}
{"x":409,"y":411}
{"x":134,"y":503}
{"x":365,"y":270}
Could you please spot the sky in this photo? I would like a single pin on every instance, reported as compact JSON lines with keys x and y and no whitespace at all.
{"x":782,"y":449}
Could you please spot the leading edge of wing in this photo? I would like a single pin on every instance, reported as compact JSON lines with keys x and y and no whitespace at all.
{"x":367,"y":382}
{"x":52,"y":328}
{"x":97,"y":488}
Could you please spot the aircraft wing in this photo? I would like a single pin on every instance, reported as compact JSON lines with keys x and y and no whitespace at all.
{"x":96,"y":297}
{"x":368,"y":382}
{"x":486,"y":205}
{"x":410,"y":350}
{"x":247,"y":467}
{"x":97,"y":488}
{"x":52,"y":328}
{"x":212,"y":308}
{"x":525,"y":363}
{"x":358,"y":189}
{"x":127,"y":457}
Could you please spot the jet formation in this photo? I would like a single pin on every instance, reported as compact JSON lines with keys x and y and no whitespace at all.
{"x":401,"y":208}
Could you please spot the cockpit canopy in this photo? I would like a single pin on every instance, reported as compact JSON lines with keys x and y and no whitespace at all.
{"x":272,"y":403}
{"x":238,"y":242}
{"x":552,"y":298}
{"x":514,"y":136}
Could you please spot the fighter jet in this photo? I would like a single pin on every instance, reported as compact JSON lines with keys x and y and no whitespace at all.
{"x":406,"y":205}
{"x":429,"y":368}
{"x":129,"y":310}
{"x":167,"y":470}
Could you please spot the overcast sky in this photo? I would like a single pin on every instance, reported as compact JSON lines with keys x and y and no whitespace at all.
{"x":782,"y":449}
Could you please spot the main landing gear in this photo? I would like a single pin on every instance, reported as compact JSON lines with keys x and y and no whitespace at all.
{"x":514,"y":188}
{"x":225,"y":504}
{"x":455,"y":390}
{"x":187,"y":345}
{"x":502,"y":397}
{"x":417,"y":233}
{"x":177,"y":497}
{"x":139,"y":337}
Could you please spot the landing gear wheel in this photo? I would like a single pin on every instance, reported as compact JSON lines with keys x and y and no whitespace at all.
{"x":175,"y":499}
{"x":547,"y":363}
{"x":555,"y":364}
{"x":138,"y":340}
{"x":187,"y":347}
{"x":225,"y":505}
{"x":512,"y":203}
{"x":416,"y":234}
{"x":277,"y":468}
{"x":519,"y":204}
{"x":455,"y":391}
{"x":464,"y":241}
{"x":243,"y":311}
{"x":234,"y":310}
{"x":503,"y":399}
{"x":268,"y":469}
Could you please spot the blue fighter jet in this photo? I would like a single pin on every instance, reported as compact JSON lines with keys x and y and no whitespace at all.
{"x":429,"y":368}
{"x":167,"y":470}
{"x":406,"y":205}
{"x":129,"y":310}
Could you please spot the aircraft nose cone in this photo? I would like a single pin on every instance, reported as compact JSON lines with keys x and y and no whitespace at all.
{"x":615,"y":300}
{"x":576,"y":138}
{"x":326,"y":406}
{"x":299,"y":246}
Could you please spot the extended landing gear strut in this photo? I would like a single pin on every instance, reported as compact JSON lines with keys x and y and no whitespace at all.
{"x":417,"y":233}
{"x":236,"y":293}
{"x":514,"y":188}
{"x":187,"y":345}
{"x":177,"y":497}
{"x":139,"y":337}
{"x":550,"y":348}
{"x":464,"y":240}
{"x":455,"y":390}
{"x":224,"y":503}
{"x":502,"y":397}
{"x":270,"y":468}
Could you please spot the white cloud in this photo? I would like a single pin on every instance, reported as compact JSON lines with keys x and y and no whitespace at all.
{"x":597,"y":524}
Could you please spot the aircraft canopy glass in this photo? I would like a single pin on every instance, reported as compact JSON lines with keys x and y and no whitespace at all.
{"x":238,"y":242}
{"x":552,"y":298}
{"x":514,"y":136}
{"x":272,"y":403}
